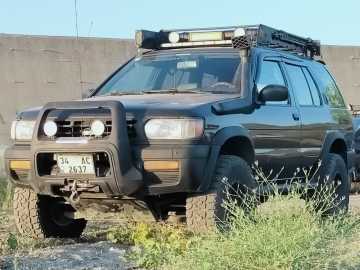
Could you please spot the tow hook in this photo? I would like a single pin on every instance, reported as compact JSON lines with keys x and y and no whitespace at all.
{"x":74,"y":197}
{"x":76,"y":187}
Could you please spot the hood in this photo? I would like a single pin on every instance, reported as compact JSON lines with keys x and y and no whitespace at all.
{"x":167,"y":104}
{"x":165,"y":101}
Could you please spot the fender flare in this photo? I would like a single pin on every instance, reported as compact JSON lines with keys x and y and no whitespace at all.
{"x":217,"y":142}
{"x":330,"y":138}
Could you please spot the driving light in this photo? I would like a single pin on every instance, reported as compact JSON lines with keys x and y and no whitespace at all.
{"x":174,"y":129}
{"x":174,"y":37}
{"x":239,"y":32}
{"x":50,"y":128}
{"x":22,"y":130}
{"x":97,"y":128}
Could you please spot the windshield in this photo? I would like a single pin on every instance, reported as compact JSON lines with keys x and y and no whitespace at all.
{"x":197,"y":72}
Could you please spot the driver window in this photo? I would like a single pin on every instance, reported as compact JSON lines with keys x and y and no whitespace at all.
{"x":270,"y":73}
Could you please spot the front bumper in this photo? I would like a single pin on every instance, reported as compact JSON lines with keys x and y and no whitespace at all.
{"x":120,"y":182}
{"x":126,"y":175}
{"x":135,"y":182}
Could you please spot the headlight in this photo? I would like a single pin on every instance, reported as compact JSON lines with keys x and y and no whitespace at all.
{"x":22,"y":130}
{"x":174,"y":129}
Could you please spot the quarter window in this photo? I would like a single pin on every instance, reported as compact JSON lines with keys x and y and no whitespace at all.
{"x":299,"y":85}
{"x":328,"y":87}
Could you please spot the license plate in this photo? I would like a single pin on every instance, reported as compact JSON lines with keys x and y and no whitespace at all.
{"x":75,"y":163}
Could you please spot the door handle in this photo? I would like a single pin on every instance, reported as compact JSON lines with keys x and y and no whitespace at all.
{"x":296,"y":116}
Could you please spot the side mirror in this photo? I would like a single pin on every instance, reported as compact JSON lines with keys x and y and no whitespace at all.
{"x":87,"y":93}
{"x":274,"y":92}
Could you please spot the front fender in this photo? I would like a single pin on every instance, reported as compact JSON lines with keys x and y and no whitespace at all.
{"x":217,"y":142}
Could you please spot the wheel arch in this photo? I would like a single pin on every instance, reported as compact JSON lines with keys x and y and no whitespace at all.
{"x":228,"y":141}
{"x":335,"y":143}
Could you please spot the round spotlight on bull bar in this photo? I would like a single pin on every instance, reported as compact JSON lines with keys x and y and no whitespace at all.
{"x":97,"y":128}
{"x":174,"y":37}
{"x":239,"y":32}
{"x":50,"y":128}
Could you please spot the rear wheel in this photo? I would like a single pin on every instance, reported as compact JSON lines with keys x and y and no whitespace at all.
{"x":39,"y":216}
{"x":331,"y":197}
{"x":206,"y":212}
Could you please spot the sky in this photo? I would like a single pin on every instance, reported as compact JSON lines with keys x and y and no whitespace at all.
{"x":332,"y":22}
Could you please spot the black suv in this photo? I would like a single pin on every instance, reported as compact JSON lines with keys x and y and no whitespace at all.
{"x":178,"y":124}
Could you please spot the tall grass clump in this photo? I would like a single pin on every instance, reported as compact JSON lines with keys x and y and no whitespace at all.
{"x":285,"y":232}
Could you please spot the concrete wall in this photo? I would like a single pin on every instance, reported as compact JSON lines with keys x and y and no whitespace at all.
{"x":38,"y":69}
{"x":344,"y":63}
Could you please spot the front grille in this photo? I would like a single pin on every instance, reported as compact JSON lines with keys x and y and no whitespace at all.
{"x":73,"y":123}
{"x":80,"y":128}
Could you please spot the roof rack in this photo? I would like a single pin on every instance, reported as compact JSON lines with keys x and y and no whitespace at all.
{"x":240,"y":37}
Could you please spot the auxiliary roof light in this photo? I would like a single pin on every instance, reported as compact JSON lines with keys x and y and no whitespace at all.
{"x":206,"y":36}
{"x":239,"y":32}
{"x":138,"y":38}
{"x":174,"y":37}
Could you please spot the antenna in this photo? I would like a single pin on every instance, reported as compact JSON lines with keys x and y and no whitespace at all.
{"x":90,"y":28}
{"x":77,"y":43}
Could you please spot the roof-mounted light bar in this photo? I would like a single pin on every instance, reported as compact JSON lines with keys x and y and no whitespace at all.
{"x":238,"y":37}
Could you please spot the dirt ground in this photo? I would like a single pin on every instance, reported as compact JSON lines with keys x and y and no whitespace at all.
{"x":92,"y":251}
{"x":100,"y":255}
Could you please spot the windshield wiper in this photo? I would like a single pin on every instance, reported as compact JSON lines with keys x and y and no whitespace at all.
{"x":120,"y":93}
{"x":173,"y":91}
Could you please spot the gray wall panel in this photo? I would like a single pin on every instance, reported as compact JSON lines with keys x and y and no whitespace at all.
{"x":38,"y":69}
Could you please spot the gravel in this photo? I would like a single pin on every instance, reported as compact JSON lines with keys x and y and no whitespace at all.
{"x":100,"y":256}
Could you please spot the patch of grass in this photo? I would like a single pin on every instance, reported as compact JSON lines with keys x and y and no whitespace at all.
{"x":290,"y":237}
{"x":6,"y":191}
{"x":283,"y":233}
{"x":153,"y":244}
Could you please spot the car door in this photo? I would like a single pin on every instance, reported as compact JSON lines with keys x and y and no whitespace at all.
{"x":276,"y":125}
{"x":315,"y":117}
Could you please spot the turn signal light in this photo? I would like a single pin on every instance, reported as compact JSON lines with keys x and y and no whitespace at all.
{"x":20,"y":164}
{"x":161,"y":165}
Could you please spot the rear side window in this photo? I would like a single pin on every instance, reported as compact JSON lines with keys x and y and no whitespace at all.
{"x":299,"y":85}
{"x":313,"y":88}
{"x":270,"y":73}
{"x":328,"y":87}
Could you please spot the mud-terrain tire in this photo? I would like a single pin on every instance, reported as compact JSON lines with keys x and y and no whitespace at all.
{"x":205,"y":212}
{"x":38,"y":216}
{"x":331,"y":196}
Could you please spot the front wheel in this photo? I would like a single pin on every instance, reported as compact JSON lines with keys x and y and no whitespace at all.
{"x":206,"y":212}
{"x":39,"y":216}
